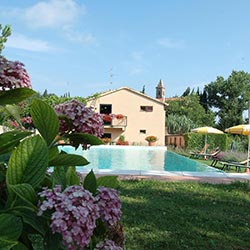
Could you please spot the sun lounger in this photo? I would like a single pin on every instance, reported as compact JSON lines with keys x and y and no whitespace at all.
{"x":200,"y":153}
{"x":237,"y":165}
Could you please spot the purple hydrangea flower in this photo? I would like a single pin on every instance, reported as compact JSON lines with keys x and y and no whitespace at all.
{"x":75,"y":214}
{"x":13,"y":75}
{"x":109,"y":204}
{"x":80,"y":119}
{"x":107,"y":245}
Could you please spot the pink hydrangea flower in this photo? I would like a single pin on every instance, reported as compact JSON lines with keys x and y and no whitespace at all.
{"x":13,"y":75}
{"x":75,"y":214}
{"x":109,"y":204}
{"x":80,"y":119}
{"x":107,"y":245}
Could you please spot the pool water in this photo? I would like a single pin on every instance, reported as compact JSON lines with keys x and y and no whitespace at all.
{"x":136,"y":158}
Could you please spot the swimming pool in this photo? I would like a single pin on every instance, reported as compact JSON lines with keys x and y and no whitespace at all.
{"x":136,"y":159}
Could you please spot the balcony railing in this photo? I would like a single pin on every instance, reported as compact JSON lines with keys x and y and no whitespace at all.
{"x":116,"y":123}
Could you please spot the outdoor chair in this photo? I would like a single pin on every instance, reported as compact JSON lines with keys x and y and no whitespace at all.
{"x":211,"y":155}
{"x":202,"y":152}
{"x":237,"y":165}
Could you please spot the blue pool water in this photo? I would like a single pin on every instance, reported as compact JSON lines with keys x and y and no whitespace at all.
{"x":136,"y":158}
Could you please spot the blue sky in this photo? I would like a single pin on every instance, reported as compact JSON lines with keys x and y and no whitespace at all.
{"x":84,"y":47}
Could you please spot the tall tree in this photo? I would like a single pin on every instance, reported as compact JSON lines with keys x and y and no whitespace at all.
{"x":230,"y":97}
{"x":190,"y":107}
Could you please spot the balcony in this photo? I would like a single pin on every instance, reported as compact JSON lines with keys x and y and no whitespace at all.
{"x":115,"y":121}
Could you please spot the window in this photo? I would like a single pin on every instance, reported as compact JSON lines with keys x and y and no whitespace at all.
{"x":105,"y":109}
{"x":142,"y":131}
{"x":106,"y":135}
{"x":147,"y":108}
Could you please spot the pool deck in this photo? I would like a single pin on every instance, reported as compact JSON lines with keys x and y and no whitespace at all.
{"x":204,"y":177}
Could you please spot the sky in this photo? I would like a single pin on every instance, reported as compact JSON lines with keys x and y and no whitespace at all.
{"x":90,"y":46}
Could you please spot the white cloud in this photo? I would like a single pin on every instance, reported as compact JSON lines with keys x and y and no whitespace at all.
{"x":169,"y":43}
{"x":53,"y":13}
{"x":79,"y":37}
{"x":19,"y":41}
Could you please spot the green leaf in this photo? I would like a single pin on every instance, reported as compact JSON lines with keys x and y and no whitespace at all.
{"x":59,"y":176}
{"x":45,"y":120}
{"x":31,"y":218}
{"x":108,"y":181}
{"x":11,"y":139}
{"x":71,"y":177}
{"x":52,"y":241}
{"x":10,"y":227}
{"x":15,"y":96}
{"x":14,"y":110}
{"x":7,"y":244}
{"x":26,"y":192}
{"x":81,"y":138}
{"x":28,"y":163}
{"x":68,"y":160}
{"x":90,"y":182}
{"x":20,"y":246}
{"x":53,"y":152}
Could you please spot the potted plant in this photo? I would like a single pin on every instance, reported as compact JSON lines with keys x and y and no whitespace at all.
{"x":151,"y":139}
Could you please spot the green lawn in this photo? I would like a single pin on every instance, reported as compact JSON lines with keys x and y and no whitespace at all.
{"x":183,"y":215}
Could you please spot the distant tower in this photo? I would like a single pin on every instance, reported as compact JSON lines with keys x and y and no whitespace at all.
{"x":160,"y":90}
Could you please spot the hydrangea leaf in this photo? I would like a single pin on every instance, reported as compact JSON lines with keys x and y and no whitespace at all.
{"x":45,"y":120}
{"x":30,"y":218}
{"x":7,"y":244}
{"x":59,"y":176}
{"x":108,"y":181}
{"x":11,"y":139}
{"x":71,"y":177}
{"x":90,"y":182}
{"x":68,"y":160}
{"x":15,"y":96}
{"x":82,"y":138}
{"x":26,"y":192}
{"x":8,"y":231}
{"x":28,"y":162}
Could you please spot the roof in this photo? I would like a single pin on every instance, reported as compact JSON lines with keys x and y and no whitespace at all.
{"x":132,"y":91}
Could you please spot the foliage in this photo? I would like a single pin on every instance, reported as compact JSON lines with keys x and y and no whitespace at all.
{"x":196,"y":141}
{"x":24,"y":164}
{"x":151,"y":138}
{"x":45,"y":201}
{"x":185,"y":215}
{"x":5,"y":33}
{"x":106,"y":140}
{"x":190,"y":107}
{"x":122,"y":141}
{"x":230,"y":96}
{"x":179,"y":124}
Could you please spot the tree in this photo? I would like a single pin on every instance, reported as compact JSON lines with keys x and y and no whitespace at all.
{"x":230,"y":96}
{"x":189,"y":106}
{"x":186,"y":92}
{"x":6,"y":32}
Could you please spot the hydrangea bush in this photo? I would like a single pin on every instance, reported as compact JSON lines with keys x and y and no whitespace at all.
{"x":67,"y":212}
{"x":76,"y":117}
{"x":13,"y":75}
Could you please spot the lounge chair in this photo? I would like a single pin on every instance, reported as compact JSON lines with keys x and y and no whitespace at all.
{"x":237,"y":165}
{"x":216,"y":157}
{"x":202,"y":152}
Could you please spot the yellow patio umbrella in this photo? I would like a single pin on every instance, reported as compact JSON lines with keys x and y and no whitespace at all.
{"x":242,"y":129}
{"x":206,"y":130}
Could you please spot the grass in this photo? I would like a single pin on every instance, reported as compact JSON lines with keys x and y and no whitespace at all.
{"x":183,"y":215}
